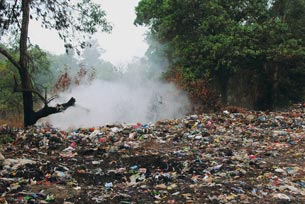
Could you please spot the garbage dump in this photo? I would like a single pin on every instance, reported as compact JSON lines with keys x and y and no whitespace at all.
{"x":224,"y":157}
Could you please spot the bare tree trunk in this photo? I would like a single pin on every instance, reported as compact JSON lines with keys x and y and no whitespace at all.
{"x":23,"y":61}
{"x":223,"y":81}
{"x":275,"y":86}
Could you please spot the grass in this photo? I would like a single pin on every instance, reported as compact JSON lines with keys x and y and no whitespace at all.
{"x":12,"y":120}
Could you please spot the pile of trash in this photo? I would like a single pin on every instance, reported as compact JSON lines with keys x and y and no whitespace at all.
{"x":222,"y":157}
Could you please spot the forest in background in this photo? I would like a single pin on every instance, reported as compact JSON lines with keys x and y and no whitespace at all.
{"x":250,"y":53}
{"x":243,"y":53}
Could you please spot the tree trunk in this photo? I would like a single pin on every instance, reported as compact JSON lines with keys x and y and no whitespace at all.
{"x":223,"y":81}
{"x":30,"y":117}
{"x":264,"y":96}
{"x":275,"y":86}
{"x":23,"y":62}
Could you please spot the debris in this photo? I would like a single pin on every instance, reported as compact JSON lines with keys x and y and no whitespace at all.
{"x":14,"y":164}
{"x":209,"y":158}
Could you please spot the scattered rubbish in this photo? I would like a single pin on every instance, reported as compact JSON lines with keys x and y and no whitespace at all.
{"x":209,"y":158}
{"x":108,"y":185}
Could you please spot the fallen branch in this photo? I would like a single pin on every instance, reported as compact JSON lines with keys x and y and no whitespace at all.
{"x":46,"y":110}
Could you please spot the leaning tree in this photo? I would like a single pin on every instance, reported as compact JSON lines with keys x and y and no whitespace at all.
{"x":74,"y":21}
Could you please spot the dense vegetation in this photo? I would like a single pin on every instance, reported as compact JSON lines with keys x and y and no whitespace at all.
{"x":249,"y":53}
{"x":11,"y":100}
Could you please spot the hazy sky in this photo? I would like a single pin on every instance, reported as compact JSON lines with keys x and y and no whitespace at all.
{"x":122,"y":44}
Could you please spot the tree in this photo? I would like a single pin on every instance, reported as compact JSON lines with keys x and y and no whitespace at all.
{"x":92,"y":59}
{"x":223,"y":41}
{"x":75,"y":22}
{"x":201,"y":35}
{"x":11,"y":103}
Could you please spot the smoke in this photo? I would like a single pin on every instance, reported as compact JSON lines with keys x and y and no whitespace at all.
{"x":138,"y":95}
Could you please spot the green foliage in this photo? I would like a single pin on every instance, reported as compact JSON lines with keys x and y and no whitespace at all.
{"x":221,"y":41}
{"x":75,"y":22}
{"x":39,"y":67}
{"x":10,"y":103}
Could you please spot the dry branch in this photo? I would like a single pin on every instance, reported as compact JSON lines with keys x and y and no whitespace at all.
{"x":10,"y":58}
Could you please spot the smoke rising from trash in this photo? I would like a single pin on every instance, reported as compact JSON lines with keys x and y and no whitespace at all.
{"x":137,"y":94}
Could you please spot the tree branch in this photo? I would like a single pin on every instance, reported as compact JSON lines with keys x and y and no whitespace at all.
{"x":44,"y":99}
{"x":45,"y":111}
{"x":52,"y":98}
{"x":9,"y":57}
{"x":14,"y":14}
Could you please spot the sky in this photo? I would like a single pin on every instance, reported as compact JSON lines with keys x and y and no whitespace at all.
{"x":125,"y":42}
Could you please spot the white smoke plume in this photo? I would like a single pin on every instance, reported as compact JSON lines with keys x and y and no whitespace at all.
{"x":139,"y":95}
